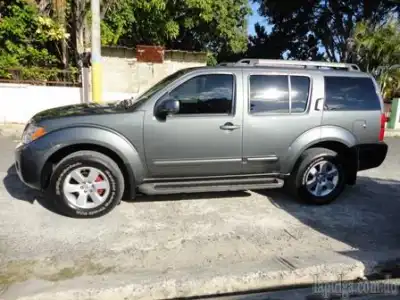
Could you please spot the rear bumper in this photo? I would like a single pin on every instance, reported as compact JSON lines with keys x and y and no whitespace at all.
{"x":371,"y":155}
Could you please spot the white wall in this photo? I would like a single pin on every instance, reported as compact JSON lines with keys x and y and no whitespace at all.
{"x":19,"y":102}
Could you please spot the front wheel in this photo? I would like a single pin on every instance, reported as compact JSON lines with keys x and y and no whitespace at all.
{"x":87,"y":184}
{"x":319,"y":178}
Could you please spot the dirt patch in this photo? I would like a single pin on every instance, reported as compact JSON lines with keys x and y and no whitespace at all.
{"x":50,"y":270}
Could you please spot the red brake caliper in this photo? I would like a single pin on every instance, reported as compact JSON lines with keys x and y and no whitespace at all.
{"x":99,"y":191}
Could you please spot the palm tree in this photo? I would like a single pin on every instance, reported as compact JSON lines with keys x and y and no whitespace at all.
{"x":376,"y":48}
{"x":389,"y":80}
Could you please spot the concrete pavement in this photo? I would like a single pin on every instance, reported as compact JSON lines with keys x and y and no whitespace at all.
{"x":188,"y":245}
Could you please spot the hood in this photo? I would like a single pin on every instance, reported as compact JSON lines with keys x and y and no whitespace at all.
{"x":78,"y":110}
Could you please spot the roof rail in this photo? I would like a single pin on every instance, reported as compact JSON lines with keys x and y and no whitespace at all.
{"x":298,"y":63}
{"x":227,"y":64}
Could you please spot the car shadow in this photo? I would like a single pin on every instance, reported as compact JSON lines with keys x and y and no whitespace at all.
{"x":19,"y":191}
{"x":365,"y":217}
{"x":191,"y":196}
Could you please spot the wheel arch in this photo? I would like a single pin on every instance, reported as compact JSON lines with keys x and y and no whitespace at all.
{"x":67,"y":141}
{"x":334,"y":138}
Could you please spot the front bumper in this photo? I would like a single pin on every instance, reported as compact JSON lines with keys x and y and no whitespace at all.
{"x":28,"y":166}
{"x":371,"y":155}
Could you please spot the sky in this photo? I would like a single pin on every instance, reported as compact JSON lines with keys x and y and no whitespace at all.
{"x":255,"y":18}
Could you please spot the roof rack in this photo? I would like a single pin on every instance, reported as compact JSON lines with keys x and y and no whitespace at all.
{"x":227,"y":64}
{"x":298,"y":63}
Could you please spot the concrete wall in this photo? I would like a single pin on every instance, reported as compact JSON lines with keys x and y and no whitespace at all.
{"x":123,"y":77}
{"x":123,"y":73}
{"x":19,"y":102}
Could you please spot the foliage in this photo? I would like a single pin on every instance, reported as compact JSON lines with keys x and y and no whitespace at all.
{"x":39,"y":74}
{"x":211,"y":59}
{"x":376,"y":45}
{"x":187,"y":25}
{"x":261,"y":45}
{"x":376,"y":48}
{"x":26,"y":38}
{"x":265,"y":45}
{"x":389,"y":81}
{"x":304,"y":26}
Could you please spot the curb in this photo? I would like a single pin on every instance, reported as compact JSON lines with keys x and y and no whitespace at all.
{"x":246,"y":277}
{"x":392,"y":133}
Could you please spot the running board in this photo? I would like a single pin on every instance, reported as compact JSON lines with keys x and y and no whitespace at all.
{"x":200,"y":186}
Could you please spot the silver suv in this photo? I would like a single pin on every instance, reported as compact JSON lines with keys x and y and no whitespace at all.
{"x":254,"y":124}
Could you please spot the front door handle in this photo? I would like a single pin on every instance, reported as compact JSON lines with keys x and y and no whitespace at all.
{"x":229,"y":126}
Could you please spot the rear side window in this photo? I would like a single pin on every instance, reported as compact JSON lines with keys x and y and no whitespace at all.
{"x":348,"y":93}
{"x":271,"y":94}
{"x":299,"y":92}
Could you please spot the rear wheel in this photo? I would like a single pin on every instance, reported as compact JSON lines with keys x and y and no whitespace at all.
{"x":319,"y":178}
{"x":87,"y":184}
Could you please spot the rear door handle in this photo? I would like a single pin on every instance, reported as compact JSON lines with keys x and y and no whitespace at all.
{"x":319,"y":105}
{"x":229,"y":126}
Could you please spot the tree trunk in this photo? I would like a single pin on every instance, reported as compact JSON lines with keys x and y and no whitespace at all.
{"x":87,"y":36}
{"x":59,"y":8}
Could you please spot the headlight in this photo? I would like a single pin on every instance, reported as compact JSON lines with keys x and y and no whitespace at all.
{"x":31,"y":133}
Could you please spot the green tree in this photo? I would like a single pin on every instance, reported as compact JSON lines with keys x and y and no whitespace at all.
{"x":327,"y":24}
{"x":376,"y":48}
{"x":260,"y":45}
{"x":27,"y":39}
{"x":215,"y":26}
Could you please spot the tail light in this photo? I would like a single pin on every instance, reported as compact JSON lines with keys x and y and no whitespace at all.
{"x":382,"y":130}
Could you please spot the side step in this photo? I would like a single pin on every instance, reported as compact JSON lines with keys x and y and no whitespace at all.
{"x":200,"y":186}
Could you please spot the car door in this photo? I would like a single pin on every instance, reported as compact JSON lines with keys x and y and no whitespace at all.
{"x":205,"y":137}
{"x":276,"y":113}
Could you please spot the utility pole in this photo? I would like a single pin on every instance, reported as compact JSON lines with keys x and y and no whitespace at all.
{"x":97,"y":78}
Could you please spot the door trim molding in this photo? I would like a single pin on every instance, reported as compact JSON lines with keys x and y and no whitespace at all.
{"x":194,"y":161}
{"x":270,"y":158}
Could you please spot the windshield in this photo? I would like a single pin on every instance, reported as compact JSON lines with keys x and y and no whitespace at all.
{"x":157,"y":87}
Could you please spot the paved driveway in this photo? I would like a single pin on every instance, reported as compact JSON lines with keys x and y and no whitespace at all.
{"x":192,"y":233}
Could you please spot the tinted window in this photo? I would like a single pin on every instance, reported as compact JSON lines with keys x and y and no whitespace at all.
{"x":299,"y":91}
{"x":269,"y":93}
{"x":347,"y":93}
{"x":206,"y":94}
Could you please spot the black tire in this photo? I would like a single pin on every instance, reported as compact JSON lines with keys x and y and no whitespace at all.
{"x":296,"y":182}
{"x":87,"y":159}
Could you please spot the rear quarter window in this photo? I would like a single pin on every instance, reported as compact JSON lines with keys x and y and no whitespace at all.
{"x":350,"y":93}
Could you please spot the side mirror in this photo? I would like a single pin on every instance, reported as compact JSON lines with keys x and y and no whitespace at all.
{"x":168,"y":107}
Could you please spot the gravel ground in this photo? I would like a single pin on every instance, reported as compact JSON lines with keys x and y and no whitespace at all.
{"x":194,"y":232}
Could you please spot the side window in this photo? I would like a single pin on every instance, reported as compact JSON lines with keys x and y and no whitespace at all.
{"x":269,"y":93}
{"x":299,"y":93}
{"x":206,"y":94}
{"x":349,"y":93}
